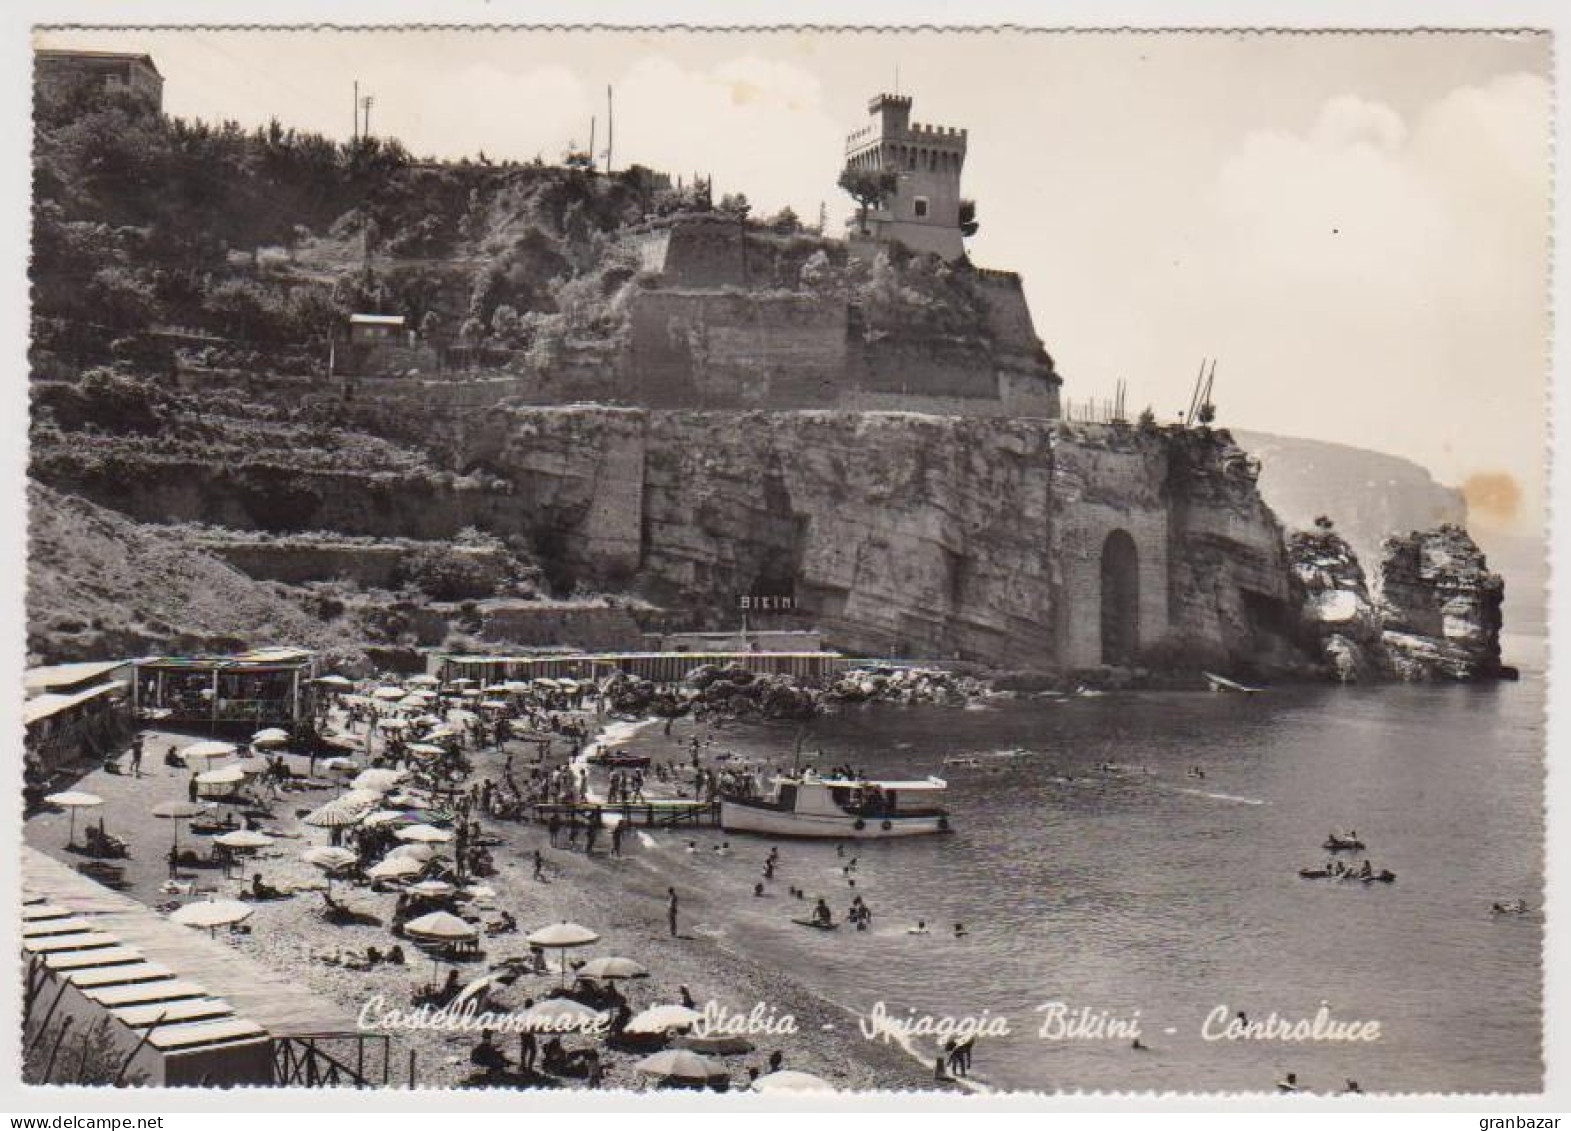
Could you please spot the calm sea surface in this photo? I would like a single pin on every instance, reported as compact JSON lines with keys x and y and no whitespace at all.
{"x":1149,"y":890}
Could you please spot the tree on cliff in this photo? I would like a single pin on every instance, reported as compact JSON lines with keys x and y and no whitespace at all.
{"x":868,"y":187}
{"x":968,"y":221}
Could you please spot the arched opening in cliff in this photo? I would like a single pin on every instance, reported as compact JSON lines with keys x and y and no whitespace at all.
{"x":1120,"y":599}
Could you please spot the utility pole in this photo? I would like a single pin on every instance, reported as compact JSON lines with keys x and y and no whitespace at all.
{"x":355,"y":134}
{"x":591,"y":141}
{"x":366,"y":102}
{"x":610,"y":130}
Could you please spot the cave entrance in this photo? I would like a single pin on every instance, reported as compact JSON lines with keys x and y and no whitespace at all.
{"x":1120,"y":599}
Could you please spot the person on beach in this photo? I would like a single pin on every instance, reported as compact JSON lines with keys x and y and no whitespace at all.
{"x":539,"y":866}
{"x":686,"y":997}
{"x":487,"y":1057}
{"x":136,"y":756}
{"x":616,"y":839}
{"x":554,"y":827}
{"x":671,"y":909}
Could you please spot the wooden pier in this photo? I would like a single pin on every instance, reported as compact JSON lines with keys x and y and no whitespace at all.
{"x":672,"y":813}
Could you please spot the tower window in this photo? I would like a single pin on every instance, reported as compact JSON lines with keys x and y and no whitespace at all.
{"x":920,"y":207}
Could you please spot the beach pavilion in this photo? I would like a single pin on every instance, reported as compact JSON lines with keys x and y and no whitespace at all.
{"x":270,"y":686}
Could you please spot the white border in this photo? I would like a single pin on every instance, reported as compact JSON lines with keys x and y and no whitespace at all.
{"x":18,"y":16}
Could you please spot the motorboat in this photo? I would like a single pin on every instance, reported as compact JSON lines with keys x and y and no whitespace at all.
{"x":806,"y":805}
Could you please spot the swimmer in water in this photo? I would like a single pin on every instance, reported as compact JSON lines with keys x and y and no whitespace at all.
{"x":960,"y":930}
{"x":919,"y":929}
{"x":692,"y":846}
{"x":758,"y":889}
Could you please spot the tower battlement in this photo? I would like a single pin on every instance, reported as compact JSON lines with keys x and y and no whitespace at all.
{"x":924,"y":211}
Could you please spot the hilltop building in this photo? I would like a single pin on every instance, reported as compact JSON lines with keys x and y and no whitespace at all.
{"x":924,"y":211}
{"x":112,"y":71}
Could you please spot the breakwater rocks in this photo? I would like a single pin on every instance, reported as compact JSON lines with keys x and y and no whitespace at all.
{"x":1436,"y":614}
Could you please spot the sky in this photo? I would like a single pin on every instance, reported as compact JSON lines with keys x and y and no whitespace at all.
{"x":1354,"y":227}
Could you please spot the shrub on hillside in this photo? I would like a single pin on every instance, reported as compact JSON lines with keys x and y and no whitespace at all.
{"x":444,"y":574}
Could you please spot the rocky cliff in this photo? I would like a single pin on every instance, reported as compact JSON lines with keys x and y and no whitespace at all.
{"x":1022,"y":543}
{"x":1339,"y":618}
{"x":1441,"y":607}
{"x":1437,"y":617}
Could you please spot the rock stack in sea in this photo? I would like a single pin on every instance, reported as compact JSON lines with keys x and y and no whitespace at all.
{"x":1341,"y":622}
{"x":1441,"y":607}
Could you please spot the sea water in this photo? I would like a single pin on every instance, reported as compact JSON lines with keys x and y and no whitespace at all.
{"x":1098,"y":899}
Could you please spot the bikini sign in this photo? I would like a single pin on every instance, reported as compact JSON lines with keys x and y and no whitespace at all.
{"x":766,"y":603}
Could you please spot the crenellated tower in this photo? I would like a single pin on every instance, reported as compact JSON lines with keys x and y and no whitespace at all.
{"x":924,"y":211}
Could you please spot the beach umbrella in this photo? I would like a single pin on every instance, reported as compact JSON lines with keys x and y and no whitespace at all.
{"x":438,"y":929}
{"x":388,"y":692}
{"x":177,"y":811}
{"x":563,"y":934}
{"x":272,"y":736}
{"x":333,"y":816}
{"x":331,"y":860}
{"x":663,"y":1018}
{"x":471,"y":693}
{"x":212,"y":914}
{"x":340,"y":765}
{"x":247,"y":840}
{"x":205,"y":752}
{"x":721,"y":1044}
{"x":789,"y":1081}
{"x":359,"y":799}
{"x":71,"y":801}
{"x":559,"y":936}
{"x":378,"y":780}
{"x":425,"y":749}
{"x":420,"y":852}
{"x":333,"y":681}
{"x":513,"y":687}
{"x":441,"y":927}
{"x":424,"y":834}
{"x":382,"y":817}
{"x":462,"y":682}
{"x":422,"y":680}
{"x":611,"y":968}
{"x":395,"y":868}
{"x":480,"y":891}
{"x":556,"y":1015}
{"x":394,"y":724}
{"x":433,"y":888}
{"x":228,"y":775}
{"x":461,"y":715}
{"x":682,"y":1065}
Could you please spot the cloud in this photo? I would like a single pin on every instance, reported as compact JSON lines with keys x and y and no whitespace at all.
{"x":1392,"y":273}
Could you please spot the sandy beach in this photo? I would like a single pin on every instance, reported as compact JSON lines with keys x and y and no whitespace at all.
{"x":622,"y":898}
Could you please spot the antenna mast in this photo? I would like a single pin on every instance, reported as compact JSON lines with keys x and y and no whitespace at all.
{"x":610,"y":129}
